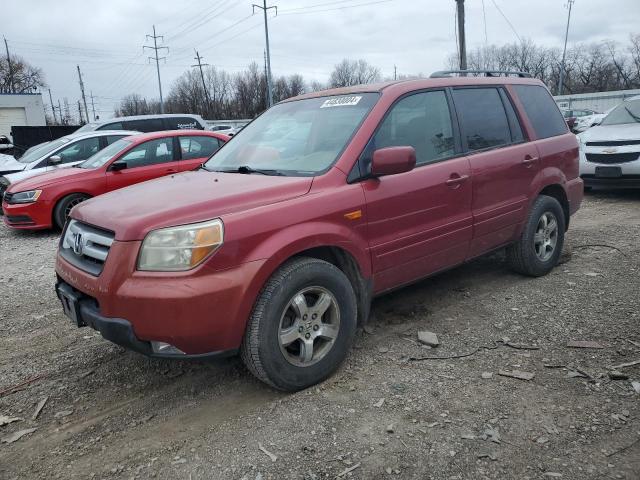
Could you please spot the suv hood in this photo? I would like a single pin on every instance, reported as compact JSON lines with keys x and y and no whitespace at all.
{"x":9,"y":164}
{"x":626,"y":131}
{"x":185,"y":198}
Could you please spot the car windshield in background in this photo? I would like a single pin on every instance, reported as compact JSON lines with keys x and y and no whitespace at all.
{"x":298,"y":138}
{"x":106,"y":154}
{"x":626,"y":112}
{"x":40,"y":151}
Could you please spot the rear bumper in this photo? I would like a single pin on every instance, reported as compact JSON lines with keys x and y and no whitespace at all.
{"x":626,"y":181}
{"x":118,"y":330}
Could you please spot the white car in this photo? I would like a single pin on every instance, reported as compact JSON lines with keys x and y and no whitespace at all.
{"x":60,"y":153}
{"x":610,"y":152}
{"x":584,"y":123}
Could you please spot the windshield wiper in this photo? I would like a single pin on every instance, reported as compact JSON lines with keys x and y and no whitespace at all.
{"x":635,"y":117}
{"x":246,"y":169}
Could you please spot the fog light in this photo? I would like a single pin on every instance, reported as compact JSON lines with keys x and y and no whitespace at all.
{"x":162,"y":348}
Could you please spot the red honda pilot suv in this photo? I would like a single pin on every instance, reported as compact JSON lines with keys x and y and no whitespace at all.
{"x":276,"y":246}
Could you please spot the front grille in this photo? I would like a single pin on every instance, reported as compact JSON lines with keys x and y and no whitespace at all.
{"x":613,"y":143}
{"x":20,"y":220}
{"x":86,"y":246}
{"x":612,"y":158}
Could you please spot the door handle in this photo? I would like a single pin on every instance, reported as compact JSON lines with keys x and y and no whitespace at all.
{"x":455,"y":180}
{"x":529,"y":161}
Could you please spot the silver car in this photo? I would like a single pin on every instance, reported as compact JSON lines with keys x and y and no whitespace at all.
{"x":610,"y":152}
{"x":60,"y":153}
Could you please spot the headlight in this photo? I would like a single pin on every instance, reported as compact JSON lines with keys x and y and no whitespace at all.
{"x":25,"y":197}
{"x":180,"y":248}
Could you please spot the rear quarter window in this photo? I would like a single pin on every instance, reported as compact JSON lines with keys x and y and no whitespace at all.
{"x":543,"y":113}
{"x":146,"y":125}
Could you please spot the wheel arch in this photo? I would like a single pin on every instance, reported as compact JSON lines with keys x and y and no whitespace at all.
{"x":558,"y":192}
{"x":56,"y":201}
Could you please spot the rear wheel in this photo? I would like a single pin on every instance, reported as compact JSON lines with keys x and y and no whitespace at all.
{"x":540,"y":245}
{"x":64,"y":207}
{"x":302,"y":325}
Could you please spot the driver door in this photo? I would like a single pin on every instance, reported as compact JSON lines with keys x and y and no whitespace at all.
{"x":149,"y":160}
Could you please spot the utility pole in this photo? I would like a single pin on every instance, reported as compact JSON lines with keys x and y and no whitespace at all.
{"x":84,"y":99}
{"x":93,"y":107}
{"x":6,"y":46}
{"x":461,"y":37}
{"x":80,"y":112}
{"x":395,"y":72}
{"x":53,"y":108}
{"x":264,"y":9}
{"x":204,"y":85}
{"x":564,"y":51}
{"x":62,"y":122}
{"x":155,"y":48}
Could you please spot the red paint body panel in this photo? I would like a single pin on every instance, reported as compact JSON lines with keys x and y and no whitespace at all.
{"x":94,"y":182}
{"x":413,"y":224}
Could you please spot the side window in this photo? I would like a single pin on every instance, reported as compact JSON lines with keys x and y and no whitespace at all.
{"x":182,"y":123}
{"x":80,"y":150}
{"x":542,"y":111}
{"x":146,"y":125}
{"x":150,"y":153}
{"x":514,"y":123}
{"x":198,"y":147}
{"x":111,"y":126}
{"x":483,"y":119}
{"x":422,"y":121}
{"x":114,"y":138}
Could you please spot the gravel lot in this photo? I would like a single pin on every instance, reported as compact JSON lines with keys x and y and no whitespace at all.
{"x":115,"y":414}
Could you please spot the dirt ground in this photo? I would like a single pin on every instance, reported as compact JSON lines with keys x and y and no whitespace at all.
{"x":110,"y":413}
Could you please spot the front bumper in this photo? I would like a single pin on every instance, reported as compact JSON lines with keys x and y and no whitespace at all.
{"x":27,"y":216}
{"x":198,"y":312}
{"x":116,"y":330}
{"x":629,"y":170}
{"x":626,"y":181}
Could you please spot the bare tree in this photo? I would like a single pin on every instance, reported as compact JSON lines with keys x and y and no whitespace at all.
{"x":135,"y":104}
{"x":18,"y":76}
{"x":353,"y":72}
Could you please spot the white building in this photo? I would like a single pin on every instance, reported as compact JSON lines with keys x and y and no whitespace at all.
{"x":20,"y":109}
{"x":599,"y":101}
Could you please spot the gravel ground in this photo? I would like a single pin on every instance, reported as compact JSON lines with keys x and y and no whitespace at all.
{"x":115,"y":414}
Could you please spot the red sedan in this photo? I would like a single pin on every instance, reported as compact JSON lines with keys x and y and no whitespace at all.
{"x":45,"y":200}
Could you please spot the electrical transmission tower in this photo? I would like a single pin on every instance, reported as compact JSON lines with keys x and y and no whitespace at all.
{"x":155,"y":49}
{"x":264,"y":9}
{"x":204,"y":85}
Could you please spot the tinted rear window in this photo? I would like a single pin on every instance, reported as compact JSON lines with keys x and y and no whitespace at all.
{"x":542,"y":111}
{"x":482,"y":117}
{"x":146,"y":125}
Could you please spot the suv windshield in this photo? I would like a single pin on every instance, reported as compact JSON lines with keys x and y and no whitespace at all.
{"x":42,"y":150}
{"x":626,"y":112}
{"x":106,"y":154}
{"x":298,"y":138}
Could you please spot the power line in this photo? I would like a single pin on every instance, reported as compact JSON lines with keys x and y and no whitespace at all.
{"x":289,"y":12}
{"x":484,"y":19}
{"x":156,"y":48}
{"x":506,"y":20}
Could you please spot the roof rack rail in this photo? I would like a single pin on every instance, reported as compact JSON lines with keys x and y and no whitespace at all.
{"x":478,"y":73}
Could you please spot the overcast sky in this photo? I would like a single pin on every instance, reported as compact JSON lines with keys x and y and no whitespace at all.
{"x":308,"y":36}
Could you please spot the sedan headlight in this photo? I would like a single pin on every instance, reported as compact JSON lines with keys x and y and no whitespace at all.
{"x":180,"y":248}
{"x":25,"y":197}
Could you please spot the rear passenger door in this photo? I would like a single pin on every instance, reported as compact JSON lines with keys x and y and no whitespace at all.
{"x":503,"y":164}
{"x":419,"y":222}
{"x":149,"y":160}
{"x":195,"y":150}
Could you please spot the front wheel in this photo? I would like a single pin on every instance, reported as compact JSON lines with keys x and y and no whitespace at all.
{"x":64,"y":206}
{"x":540,"y":245}
{"x":302,"y":325}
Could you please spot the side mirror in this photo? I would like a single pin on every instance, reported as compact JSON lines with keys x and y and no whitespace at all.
{"x":118,"y":165}
{"x":55,"y":160}
{"x":393,"y":160}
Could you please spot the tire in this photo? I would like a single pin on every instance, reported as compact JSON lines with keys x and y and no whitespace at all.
{"x":64,"y":206}
{"x":539,"y":248}
{"x":276,"y":315}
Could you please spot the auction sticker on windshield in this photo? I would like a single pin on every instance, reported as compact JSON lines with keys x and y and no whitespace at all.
{"x":344,"y":101}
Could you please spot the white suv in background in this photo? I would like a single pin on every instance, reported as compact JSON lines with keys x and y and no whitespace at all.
{"x":610,"y":152}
